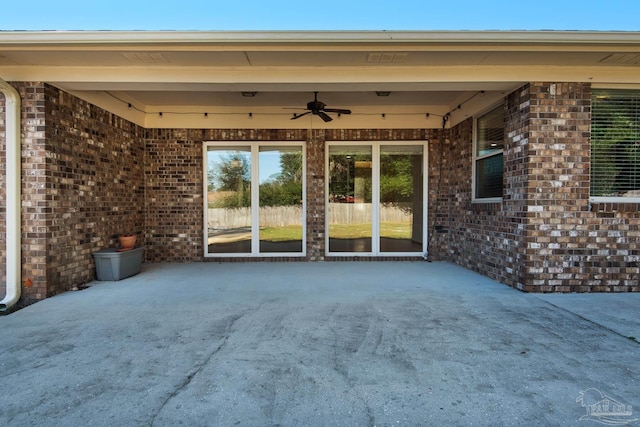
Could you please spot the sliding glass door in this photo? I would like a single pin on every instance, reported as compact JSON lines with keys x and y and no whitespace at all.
{"x":255,"y":199}
{"x":229,"y":200}
{"x":375,"y":198}
{"x":281,"y":200}
{"x":350,"y":209}
{"x":401,"y":198}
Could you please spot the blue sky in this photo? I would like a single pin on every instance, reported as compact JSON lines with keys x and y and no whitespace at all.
{"x":246,"y":15}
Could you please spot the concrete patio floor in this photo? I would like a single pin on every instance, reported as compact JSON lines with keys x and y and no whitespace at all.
{"x":334,"y":343}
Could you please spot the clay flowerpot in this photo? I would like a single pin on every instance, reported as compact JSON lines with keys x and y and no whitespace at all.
{"x":127,"y":241}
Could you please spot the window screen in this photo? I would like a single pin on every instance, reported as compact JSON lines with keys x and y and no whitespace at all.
{"x":615,"y":143}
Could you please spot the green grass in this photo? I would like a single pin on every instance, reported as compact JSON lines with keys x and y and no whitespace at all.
{"x":338,"y":231}
{"x":281,"y":234}
{"x":356,"y":231}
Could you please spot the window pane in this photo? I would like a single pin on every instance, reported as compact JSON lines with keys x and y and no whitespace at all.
{"x":401,"y":198}
{"x":229,"y":199}
{"x":488,"y":152}
{"x":489,"y":177}
{"x":280,"y":193}
{"x":615,"y":143}
{"x":350,"y":185}
{"x":490,"y":132}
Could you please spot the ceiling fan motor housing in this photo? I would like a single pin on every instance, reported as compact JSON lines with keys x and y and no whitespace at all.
{"x":316,"y":106}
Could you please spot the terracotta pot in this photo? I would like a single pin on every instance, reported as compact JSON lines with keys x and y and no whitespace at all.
{"x":127,"y":241}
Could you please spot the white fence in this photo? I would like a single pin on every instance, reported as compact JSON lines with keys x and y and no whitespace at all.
{"x":280,"y":216}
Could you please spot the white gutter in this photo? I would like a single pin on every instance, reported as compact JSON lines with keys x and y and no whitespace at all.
{"x":118,"y":39}
{"x":13,"y":196}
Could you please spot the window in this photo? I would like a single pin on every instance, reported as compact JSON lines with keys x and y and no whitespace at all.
{"x":255,"y":199}
{"x":488,"y":165}
{"x":615,"y":144}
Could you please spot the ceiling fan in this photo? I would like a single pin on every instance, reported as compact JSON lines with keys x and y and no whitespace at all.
{"x":318,"y":108}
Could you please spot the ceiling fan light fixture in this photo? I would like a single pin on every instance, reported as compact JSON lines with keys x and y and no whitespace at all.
{"x":319,"y":108}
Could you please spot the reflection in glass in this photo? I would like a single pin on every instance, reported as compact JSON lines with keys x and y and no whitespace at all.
{"x":280,"y":194}
{"x":489,"y":172}
{"x":490,"y":132}
{"x":350,"y":189}
{"x":229,"y":199}
{"x":401,"y":198}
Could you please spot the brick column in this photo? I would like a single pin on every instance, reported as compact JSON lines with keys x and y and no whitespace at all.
{"x":557,"y":192}
{"x":516,"y":183}
{"x":316,"y":196}
{"x":35,"y":221}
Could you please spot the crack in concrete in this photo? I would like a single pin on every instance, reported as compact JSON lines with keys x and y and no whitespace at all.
{"x":232,"y":320}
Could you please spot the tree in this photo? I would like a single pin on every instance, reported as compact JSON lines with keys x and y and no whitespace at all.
{"x":396,"y":178}
{"x":286,"y":188}
{"x":233,"y":174}
{"x":291,"y":167}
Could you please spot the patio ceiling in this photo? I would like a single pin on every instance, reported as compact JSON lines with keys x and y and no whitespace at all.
{"x":205,"y":71}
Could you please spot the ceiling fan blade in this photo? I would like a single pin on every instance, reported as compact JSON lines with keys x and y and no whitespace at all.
{"x":337,"y":110}
{"x":324,"y":116}
{"x":297,"y":116}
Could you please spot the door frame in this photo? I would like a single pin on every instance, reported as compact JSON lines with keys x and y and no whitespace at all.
{"x":255,"y":198}
{"x":375,"y":214}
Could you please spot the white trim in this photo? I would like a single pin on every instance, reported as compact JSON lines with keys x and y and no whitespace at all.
{"x":254,"y":147}
{"x":475,"y":157}
{"x":375,"y":197}
{"x":613,"y":86}
{"x":596,"y":199}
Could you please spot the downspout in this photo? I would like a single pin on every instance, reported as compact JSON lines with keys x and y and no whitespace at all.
{"x":13,"y":196}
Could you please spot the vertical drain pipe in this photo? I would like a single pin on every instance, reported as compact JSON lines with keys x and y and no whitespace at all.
{"x":13,"y":196}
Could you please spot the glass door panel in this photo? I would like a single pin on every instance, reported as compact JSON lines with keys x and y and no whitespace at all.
{"x":280,"y":198}
{"x":350,"y":198}
{"x":401,"y":198}
{"x":229,"y":199}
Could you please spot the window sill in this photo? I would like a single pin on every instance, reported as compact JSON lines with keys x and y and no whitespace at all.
{"x":487,"y":200}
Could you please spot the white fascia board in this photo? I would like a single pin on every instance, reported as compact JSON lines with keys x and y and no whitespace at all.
{"x":318,"y":75}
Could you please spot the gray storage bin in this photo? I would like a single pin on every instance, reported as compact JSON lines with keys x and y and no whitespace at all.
{"x":114,"y":265}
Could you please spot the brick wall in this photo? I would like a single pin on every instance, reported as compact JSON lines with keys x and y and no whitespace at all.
{"x":316,"y":196}
{"x":35,"y":210}
{"x":95,"y":191}
{"x":571,"y":244}
{"x":483,"y":237}
{"x":81,"y":184}
{"x":173,"y":195}
{"x":516,"y":185}
{"x":545,"y":235}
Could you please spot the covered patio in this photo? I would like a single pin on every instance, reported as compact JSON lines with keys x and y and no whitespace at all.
{"x":481,"y":140}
